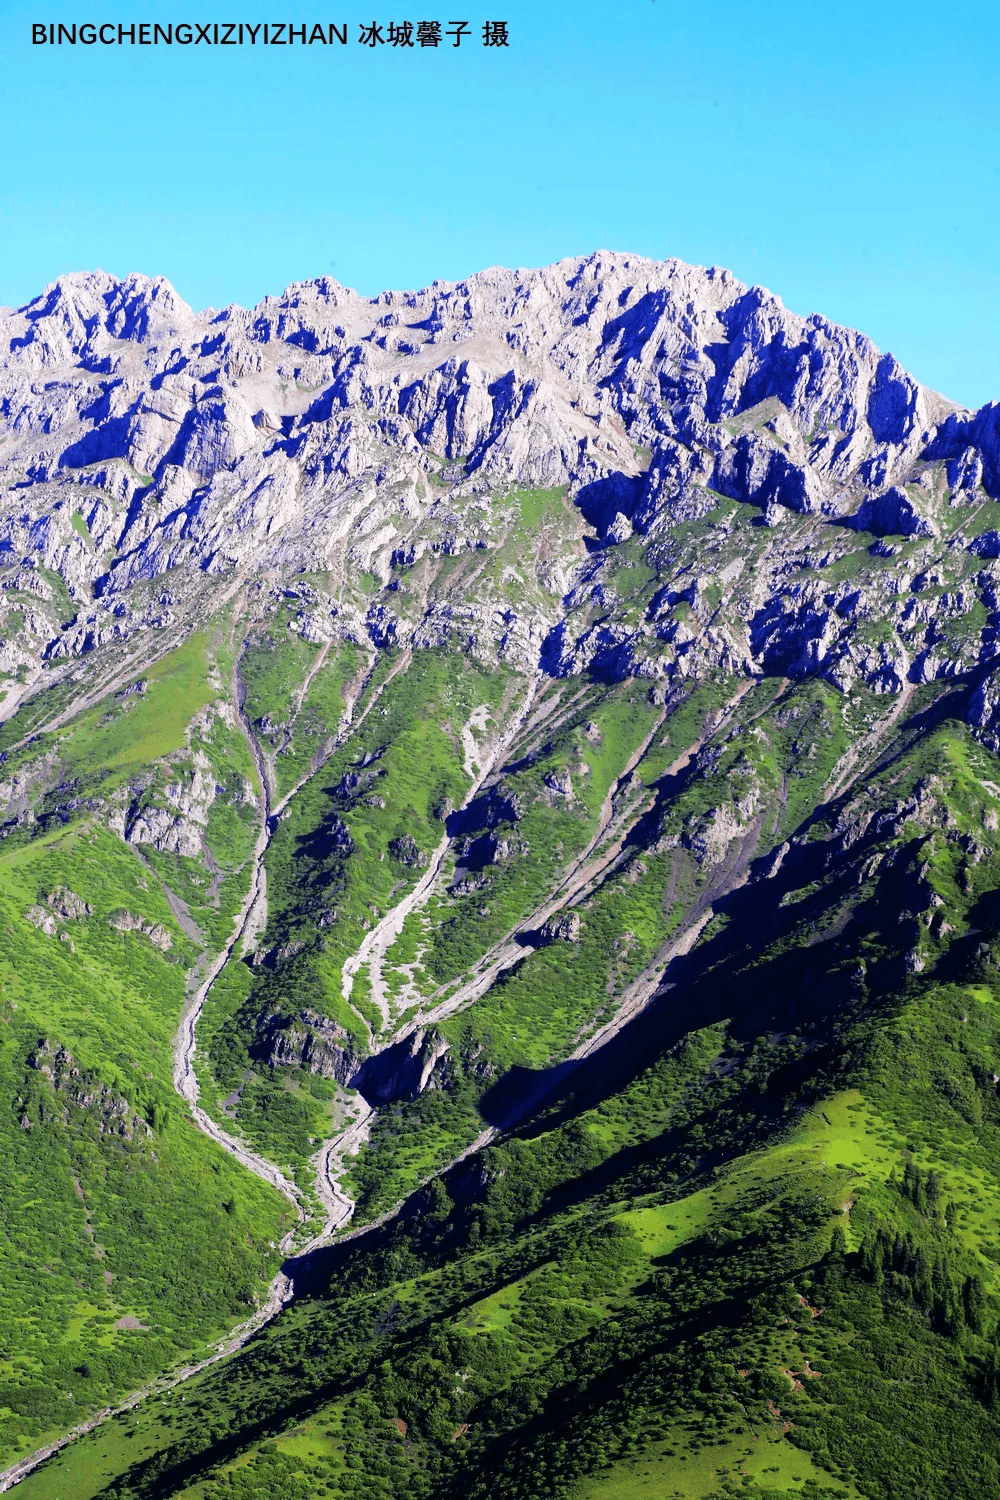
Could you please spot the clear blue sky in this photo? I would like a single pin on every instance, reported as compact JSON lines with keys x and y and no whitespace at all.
{"x":846,"y":156}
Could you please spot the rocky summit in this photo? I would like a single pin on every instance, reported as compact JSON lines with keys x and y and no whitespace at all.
{"x":146,"y":446}
{"x":499,"y":923}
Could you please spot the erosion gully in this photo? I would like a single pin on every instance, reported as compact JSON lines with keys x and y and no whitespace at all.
{"x":618,"y":815}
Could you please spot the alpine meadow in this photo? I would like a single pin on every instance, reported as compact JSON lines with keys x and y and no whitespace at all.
{"x":499,"y":898}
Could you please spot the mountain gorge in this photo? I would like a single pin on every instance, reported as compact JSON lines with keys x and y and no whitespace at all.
{"x":499,"y":853}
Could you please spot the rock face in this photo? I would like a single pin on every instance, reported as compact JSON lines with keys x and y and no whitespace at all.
{"x":404,"y":1070}
{"x":561,"y":929}
{"x":322,"y":430}
{"x":67,"y":905}
{"x":126,"y":921}
{"x":179,"y":827}
{"x":310,"y":1041}
{"x":891,"y":514}
{"x":61,"y":905}
{"x":73,"y":1087}
{"x":318,"y":1045}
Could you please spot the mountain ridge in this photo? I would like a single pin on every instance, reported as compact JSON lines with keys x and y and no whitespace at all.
{"x":512,"y":764}
{"x":595,"y":373}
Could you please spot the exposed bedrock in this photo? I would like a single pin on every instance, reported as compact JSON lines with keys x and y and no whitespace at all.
{"x":602,"y":405}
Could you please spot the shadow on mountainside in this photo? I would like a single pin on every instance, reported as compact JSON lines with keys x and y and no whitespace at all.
{"x":816,"y":966}
{"x":769,"y":969}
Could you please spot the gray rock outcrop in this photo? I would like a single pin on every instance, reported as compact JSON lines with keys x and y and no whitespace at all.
{"x":380,"y":437}
{"x":892,"y":513}
{"x":126,"y":921}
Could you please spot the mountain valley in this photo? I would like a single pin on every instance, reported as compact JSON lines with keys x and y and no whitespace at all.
{"x":499,"y":867}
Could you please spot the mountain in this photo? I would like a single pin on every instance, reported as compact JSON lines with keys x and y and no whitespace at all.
{"x":499,"y":854}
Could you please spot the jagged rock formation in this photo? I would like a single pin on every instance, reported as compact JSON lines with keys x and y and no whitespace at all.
{"x":180,"y":825}
{"x":72,"y":1086}
{"x":310,"y":1041}
{"x":61,"y":905}
{"x":325,"y":430}
{"x":126,"y":921}
{"x":318,"y":1045}
{"x":562,"y":929}
{"x":403,"y":1070}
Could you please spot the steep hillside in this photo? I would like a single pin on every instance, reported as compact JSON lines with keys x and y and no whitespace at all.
{"x":500,"y":808}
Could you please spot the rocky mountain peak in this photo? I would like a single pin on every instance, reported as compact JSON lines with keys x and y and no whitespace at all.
{"x":143,"y":439}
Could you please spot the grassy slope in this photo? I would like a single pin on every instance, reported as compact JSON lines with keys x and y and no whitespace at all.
{"x":544,"y":1300}
{"x":775,"y":755}
{"x":333,"y":870}
{"x":293,"y":725}
{"x":771,"y":997}
{"x":742,"y":1187}
{"x":115,"y":1206}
